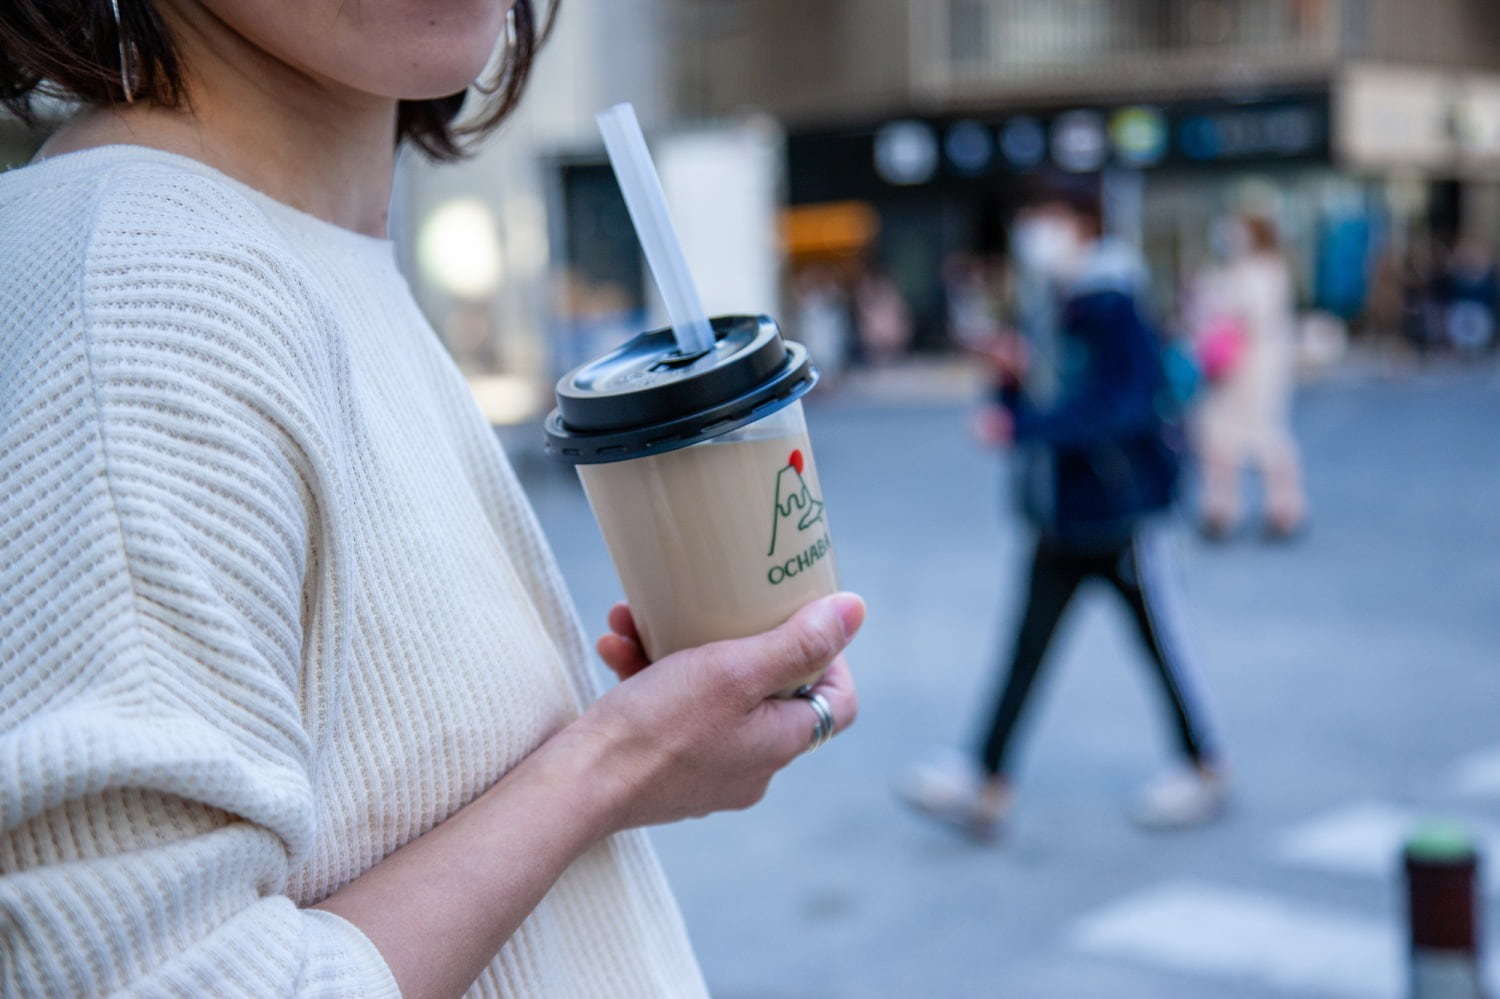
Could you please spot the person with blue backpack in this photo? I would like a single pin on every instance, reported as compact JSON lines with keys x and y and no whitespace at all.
{"x":1092,"y":410}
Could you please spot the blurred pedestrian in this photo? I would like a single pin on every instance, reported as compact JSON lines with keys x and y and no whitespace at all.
{"x":1098,"y":468}
{"x":883,"y":317}
{"x":821,"y":314}
{"x":295,"y":699}
{"x":970,"y":300}
{"x":1244,"y":324}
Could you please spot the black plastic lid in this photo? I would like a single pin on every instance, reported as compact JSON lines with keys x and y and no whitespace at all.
{"x":646,"y":398}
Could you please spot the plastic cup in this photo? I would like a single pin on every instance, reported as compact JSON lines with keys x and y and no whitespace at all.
{"x":701,"y":475}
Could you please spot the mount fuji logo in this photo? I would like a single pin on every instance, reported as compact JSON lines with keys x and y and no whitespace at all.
{"x":795,"y":502}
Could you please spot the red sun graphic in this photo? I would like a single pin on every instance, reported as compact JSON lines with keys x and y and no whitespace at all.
{"x":795,"y":460}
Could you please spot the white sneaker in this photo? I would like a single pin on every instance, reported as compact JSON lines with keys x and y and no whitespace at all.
{"x":1181,"y":799}
{"x":953,"y":791}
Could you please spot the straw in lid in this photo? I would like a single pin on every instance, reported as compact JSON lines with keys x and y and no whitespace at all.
{"x":648,"y":398}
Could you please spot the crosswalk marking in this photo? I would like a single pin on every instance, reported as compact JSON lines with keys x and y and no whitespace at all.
{"x":1281,"y":943}
{"x":1223,"y":933}
{"x":1478,"y":774}
{"x":1366,"y":839}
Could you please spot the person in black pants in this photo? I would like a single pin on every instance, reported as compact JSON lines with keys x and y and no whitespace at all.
{"x":1056,"y":573}
{"x":1098,"y":464}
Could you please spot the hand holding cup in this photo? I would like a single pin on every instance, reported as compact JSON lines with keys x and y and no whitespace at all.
{"x":701,"y":730}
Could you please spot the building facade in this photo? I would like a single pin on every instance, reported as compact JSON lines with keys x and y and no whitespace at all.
{"x":1357,"y":124}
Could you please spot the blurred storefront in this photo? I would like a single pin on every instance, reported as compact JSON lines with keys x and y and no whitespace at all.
{"x":945,"y":187}
{"x":1361,"y":126}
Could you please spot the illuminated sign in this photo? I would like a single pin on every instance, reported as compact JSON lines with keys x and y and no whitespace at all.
{"x":1251,"y":132}
{"x":1078,"y":141}
{"x":969,"y":146}
{"x":866,"y":160}
{"x":906,"y":152}
{"x":1023,"y":142}
{"x":1139,"y":135}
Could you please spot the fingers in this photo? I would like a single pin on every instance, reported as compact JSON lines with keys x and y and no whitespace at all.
{"x":622,"y":622}
{"x":837,"y":688}
{"x":622,"y":650}
{"x":622,"y":655}
{"x":793,"y":720}
{"x":780,"y":658}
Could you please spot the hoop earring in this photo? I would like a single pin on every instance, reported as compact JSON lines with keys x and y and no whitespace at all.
{"x":505,"y":56}
{"x":114,"y":6}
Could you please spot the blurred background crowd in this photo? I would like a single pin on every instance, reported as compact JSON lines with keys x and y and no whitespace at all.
{"x":855,"y":168}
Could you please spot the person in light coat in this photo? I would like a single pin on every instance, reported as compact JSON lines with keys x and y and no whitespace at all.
{"x":1246,"y":326}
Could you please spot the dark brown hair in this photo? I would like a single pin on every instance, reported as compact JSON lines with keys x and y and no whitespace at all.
{"x":70,"y":49}
{"x":1077,"y":195}
{"x":1262,"y":232}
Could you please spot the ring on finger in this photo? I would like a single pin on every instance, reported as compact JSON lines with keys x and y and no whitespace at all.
{"x":823,"y":725}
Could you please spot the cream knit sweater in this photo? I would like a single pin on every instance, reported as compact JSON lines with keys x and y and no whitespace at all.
{"x":271,"y":605}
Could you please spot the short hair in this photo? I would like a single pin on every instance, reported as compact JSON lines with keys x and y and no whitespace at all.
{"x":1262,"y":232}
{"x":70,"y":49}
{"x":1078,"y":195}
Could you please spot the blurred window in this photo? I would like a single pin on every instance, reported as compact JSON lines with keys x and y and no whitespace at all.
{"x":1020,"y":36}
{"x":968,"y":31}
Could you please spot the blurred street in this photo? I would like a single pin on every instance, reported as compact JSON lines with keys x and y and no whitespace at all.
{"x":1353,"y":673}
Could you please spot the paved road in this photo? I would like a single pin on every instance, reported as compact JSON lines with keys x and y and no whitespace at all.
{"x":1354,"y":673}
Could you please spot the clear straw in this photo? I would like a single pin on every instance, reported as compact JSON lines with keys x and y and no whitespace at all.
{"x":653,"y":227}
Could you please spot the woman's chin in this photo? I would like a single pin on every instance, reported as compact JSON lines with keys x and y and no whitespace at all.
{"x":436,"y":92}
{"x":410,"y":90}
{"x":426,"y":86}
{"x":419,"y":70}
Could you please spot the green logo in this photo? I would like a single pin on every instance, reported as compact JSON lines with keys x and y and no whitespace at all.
{"x":793,"y":499}
{"x":796,"y":510}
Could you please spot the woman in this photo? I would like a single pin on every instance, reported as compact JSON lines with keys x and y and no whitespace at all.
{"x":292,"y":699}
{"x":1246,"y":318}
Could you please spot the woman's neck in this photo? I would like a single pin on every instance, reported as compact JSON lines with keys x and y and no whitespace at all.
{"x":305,"y":141}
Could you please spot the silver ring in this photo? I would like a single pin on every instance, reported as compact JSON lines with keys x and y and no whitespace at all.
{"x":823,"y":726}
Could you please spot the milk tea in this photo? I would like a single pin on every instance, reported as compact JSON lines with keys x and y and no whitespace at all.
{"x":723,"y":539}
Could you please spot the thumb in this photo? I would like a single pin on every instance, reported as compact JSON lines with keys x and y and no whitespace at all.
{"x":805,"y":644}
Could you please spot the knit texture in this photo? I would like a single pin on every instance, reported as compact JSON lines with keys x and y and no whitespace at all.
{"x":272,"y":604}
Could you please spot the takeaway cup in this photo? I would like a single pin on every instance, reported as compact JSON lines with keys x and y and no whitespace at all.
{"x":702,"y":478}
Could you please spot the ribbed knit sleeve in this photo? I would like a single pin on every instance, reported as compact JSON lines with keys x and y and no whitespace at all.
{"x":158,"y":504}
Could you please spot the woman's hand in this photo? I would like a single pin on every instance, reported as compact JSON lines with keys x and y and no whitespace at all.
{"x":1006,"y":356}
{"x":993,"y":426}
{"x":699,"y":731}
